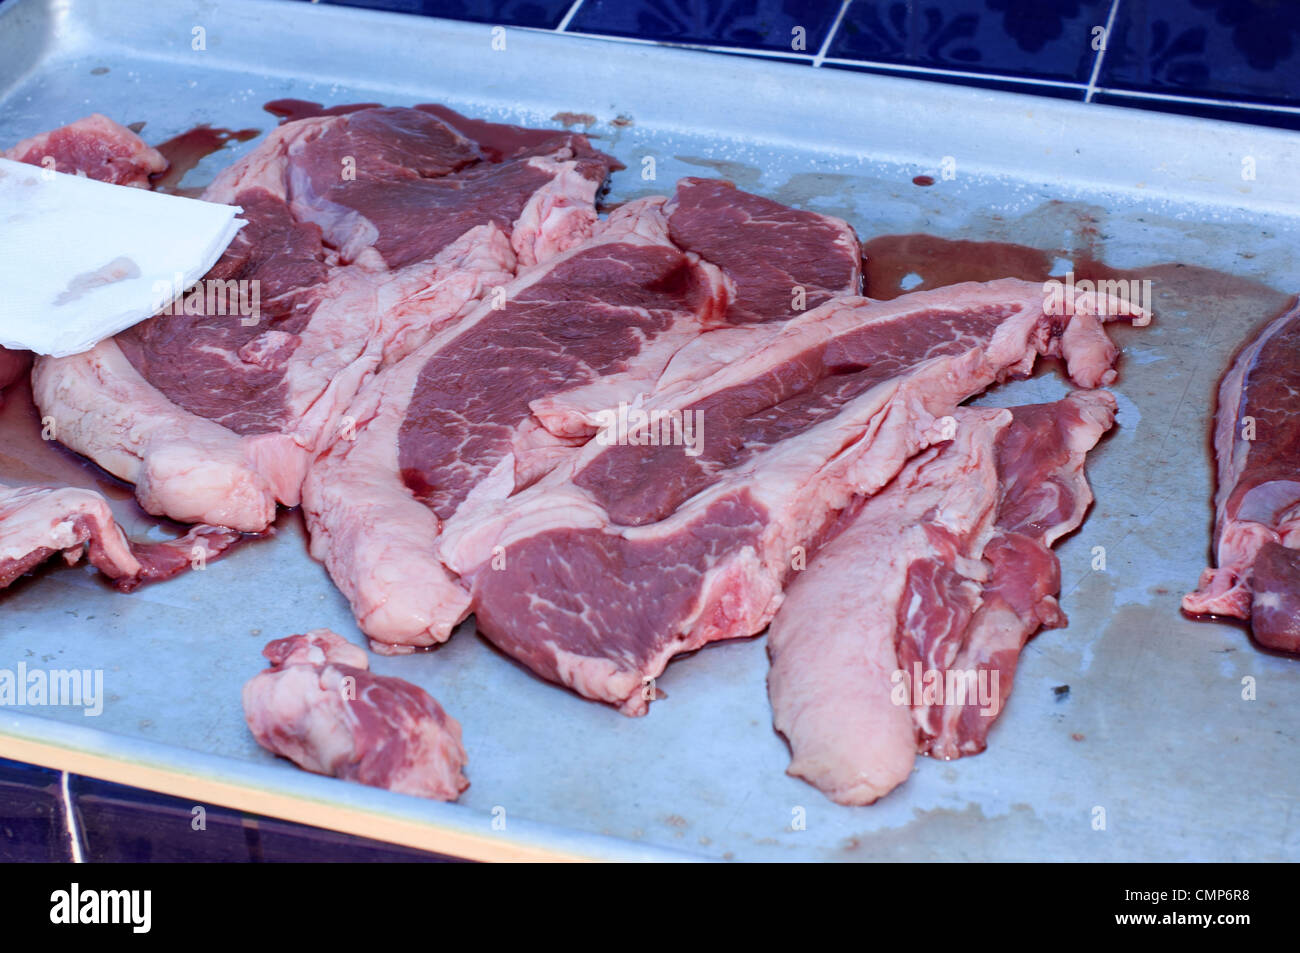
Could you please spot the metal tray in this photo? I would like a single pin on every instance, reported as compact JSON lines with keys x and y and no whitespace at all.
{"x":1154,"y":729}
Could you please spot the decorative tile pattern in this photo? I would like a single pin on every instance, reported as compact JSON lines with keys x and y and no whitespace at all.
{"x":1219,"y":49}
{"x":1043,"y":39}
{"x":756,"y":24}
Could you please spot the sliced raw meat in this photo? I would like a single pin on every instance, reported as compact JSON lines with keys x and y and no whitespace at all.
{"x":449,"y":429}
{"x":368,"y":232}
{"x":37,"y":522}
{"x":393,"y":186}
{"x":95,"y":147}
{"x":1043,"y":495}
{"x":782,"y":261}
{"x":1257,"y":525}
{"x":778,"y":262}
{"x":933,"y":585}
{"x":624,"y":556}
{"x":832,"y":644}
{"x":319,"y":706}
{"x":163,"y":560}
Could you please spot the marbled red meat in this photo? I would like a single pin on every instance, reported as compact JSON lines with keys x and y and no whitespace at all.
{"x":449,"y":430}
{"x":831,"y":408}
{"x":368,"y":233}
{"x":1257,"y":503}
{"x":486,"y":410}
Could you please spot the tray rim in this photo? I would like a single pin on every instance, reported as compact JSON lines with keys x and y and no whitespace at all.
{"x":140,"y":763}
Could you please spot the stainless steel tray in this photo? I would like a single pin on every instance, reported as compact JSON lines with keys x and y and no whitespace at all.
{"x":1183,"y":767}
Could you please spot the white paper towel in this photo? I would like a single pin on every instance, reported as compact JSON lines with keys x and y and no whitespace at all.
{"x":81,"y":260}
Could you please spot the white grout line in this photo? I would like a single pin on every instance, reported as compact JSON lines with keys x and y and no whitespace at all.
{"x":826,"y":44}
{"x":960,"y":74}
{"x":70,"y":817}
{"x":741,"y":50}
{"x":1101,"y":53}
{"x":568,"y":17}
{"x":1197,"y":100}
{"x":819,"y":59}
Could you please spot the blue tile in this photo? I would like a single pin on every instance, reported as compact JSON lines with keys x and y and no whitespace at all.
{"x":296,"y":843}
{"x":32,"y":826}
{"x":121,"y":824}
{"x":757,"y":24}
{"x":1040,"y":39}
{"x":1226,"y":49}
{"x":535,"y":13}
{"x":1255,"y":117}
{"x":128,"y":825}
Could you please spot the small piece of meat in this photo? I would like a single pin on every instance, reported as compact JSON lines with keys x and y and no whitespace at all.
{"x":38,"y":522}
{"x":932,"y":585}
{"x":1257,"y":503}
{"x":319,"y":706}
{"x":163,"y":560}
{"x":1275,"y":599}
{"x":95,"y":147}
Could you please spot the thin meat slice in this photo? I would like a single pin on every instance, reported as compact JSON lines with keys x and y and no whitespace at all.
{"x":319,"y":706}
{"x":832,"y":644}
{"x":198,"y":546}
{"x":39,"y":522}
{"x":95,"y":147}
{"x":624,"y":556}
{"x":1042,"y":494}
{"x":1257,"y":503}
{"x":903,"y":633}
{"x":449,"y":430}
{"x":778,"y":262}
{"x":367,"y":234}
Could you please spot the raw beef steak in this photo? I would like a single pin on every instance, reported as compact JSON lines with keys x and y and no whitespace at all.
{"x":1257,"y":524}
{"x":449,"y":428}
